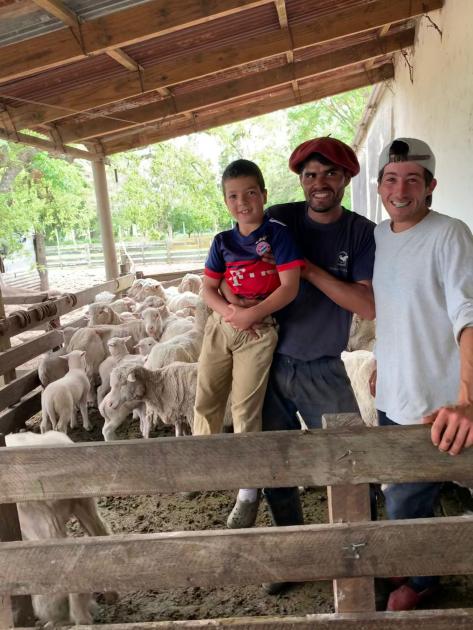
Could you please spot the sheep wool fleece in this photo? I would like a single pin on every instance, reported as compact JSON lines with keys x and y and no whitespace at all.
{"x":423,"y":286}
{"x":237,"y":360}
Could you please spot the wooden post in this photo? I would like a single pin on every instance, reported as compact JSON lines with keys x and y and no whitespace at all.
{"x":10,"y":530}
{"x":105,"y":218}
{"x":5,"y":345}
{"x":41,"y":263}
{"x":348,"y":504}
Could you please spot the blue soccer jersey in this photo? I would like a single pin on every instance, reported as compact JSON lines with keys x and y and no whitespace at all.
{"x":237,"y":258}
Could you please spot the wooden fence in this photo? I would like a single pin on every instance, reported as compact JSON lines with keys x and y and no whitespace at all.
{"x":338,"y":457}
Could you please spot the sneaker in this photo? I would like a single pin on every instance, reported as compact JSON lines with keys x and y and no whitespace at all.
{"x":406,"y":598}
{"x":244,"y":514}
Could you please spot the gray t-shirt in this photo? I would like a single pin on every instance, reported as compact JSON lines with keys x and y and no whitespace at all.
{"x":423,"y":286}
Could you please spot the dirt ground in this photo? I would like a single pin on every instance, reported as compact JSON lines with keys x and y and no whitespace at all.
{"x":166,"y":512}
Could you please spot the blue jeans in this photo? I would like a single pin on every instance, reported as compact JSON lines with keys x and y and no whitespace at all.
{"x":410,"y":500}
{"x":312,"y":388}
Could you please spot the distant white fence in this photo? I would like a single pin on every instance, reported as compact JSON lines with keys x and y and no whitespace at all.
{"x":189,"y":250}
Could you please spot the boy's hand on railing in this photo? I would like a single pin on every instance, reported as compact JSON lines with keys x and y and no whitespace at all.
{"x":452,"y":427}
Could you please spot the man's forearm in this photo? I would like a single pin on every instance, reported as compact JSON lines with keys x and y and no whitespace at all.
{"x":352,"y":296}
{"x":465,"y":395}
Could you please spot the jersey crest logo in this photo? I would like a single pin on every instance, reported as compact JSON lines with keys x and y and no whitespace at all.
{"x":342,"y":260}
{"x":263,"y":247}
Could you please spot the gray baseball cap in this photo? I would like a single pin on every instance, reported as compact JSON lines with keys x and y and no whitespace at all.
{"x":408,"y":150}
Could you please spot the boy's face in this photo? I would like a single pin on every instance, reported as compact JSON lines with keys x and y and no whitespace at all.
{"x":245,"y":199}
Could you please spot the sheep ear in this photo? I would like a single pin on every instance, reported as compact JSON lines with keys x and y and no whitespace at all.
{"x":131,"y":377}
{"x":82,"y":354}
{"x":64,"y":356}
{"x":127,"y":339}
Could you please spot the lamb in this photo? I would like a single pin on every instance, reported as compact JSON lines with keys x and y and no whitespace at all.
{"x":122,"y":305}
{"x":190,"y":282}
{"x":60,"y":398}
{"x":169,"y":392}
{"x":52,"y":367}
{"x":175,"y":327}
{"x":87,"y":339}
{"x":144,"y":346}
{"x":41,"y":520}
{"x":154,"y":301}
{"x":118,"y":350}
{"x":359,"y":365}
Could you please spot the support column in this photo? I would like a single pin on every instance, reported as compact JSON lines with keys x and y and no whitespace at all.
{"x":105,"y":218}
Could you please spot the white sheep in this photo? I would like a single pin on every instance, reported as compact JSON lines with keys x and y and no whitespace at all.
{"x":169,"y":393}
{"x":359,"y":365}
{"x":150,"y":326}
{"x":190,"y":282}
{"x":88,"y":340}
{"x":144,"y":346}
{"x":100,"y":313}
{"x":362,"y":334}
{"x":60,"y":398}
{"x":154,"y":301}
{"x":115,"y":416}
{"x":183,"y":300}
{"x":41,"y":520}
{"x":142,"y":288}
{"x":119,"y":355}
{"x":175,"y":327}
{"x":52,"y":367}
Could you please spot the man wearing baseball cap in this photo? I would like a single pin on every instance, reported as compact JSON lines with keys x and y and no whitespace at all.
{"x":423,"y":286}
{"x":307,"y":375}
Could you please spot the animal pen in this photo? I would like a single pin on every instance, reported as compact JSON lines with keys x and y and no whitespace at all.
{"x":346,"y":457}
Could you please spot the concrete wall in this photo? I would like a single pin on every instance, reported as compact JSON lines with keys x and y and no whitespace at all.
{"x":436,"y":107}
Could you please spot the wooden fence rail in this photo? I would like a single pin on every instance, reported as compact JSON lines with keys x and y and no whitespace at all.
{"x":222,"y":462}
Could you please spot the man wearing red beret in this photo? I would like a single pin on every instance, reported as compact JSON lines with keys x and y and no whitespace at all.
{"x":308,"y":376}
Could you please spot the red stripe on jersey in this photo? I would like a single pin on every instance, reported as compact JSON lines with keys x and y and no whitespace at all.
{"x":291,"y":265}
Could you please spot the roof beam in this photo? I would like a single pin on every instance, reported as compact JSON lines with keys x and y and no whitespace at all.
{"x":46,"y":145}
{"x":124,"y":60}
{"x":70,"y":131}
{"x":122,"y":28}
{"x":309,"y":91}
{"x":337,"y":24}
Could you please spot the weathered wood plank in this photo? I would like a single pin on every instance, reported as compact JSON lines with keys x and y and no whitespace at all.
{"x":218,"y":558}
{"x":348,"y":504}
{"x":115,"y":30}
{"x":221,"y":462}
{"x":72,"y":131}
{"x":19,"y":607}
{"x":29,"y":350}
{"x":15,"y":418}
{"x":232,"y":112}
{"x":25,"y":299}
{"x":12,"y":325}
{"x":343,"y":22}
{"x":461,"y":618}
{"x":11,"y":393}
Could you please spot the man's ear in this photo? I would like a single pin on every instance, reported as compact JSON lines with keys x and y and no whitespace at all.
{"x":265,"y":196}
{"x":347,"y":179}
{"x":432,"y":186}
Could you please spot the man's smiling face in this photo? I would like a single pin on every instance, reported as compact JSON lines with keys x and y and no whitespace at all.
{"x":323,"y":185}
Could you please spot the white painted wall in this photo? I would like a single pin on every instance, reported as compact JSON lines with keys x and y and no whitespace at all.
{"x":437,"y":107}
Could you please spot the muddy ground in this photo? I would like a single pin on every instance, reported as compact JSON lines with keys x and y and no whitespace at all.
{"x":165,"y":512}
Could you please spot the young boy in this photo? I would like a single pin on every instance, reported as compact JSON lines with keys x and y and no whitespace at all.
{"x":238,"y":343}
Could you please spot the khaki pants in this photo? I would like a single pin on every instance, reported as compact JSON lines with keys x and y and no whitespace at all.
{"x":236,"y":361}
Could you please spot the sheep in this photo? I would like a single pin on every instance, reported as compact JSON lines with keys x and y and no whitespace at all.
{"x":362,"y":334}
{"x":175,"y":327}
{"x":87,"y":339}
{"x":190,"y":282}
{"x":155,"y":301}
{"x":100,"y":313}
{"x":168,"y":392}
{"x":140,"y":289}
{"x":60,"y":398}
{"x":151,"y":325}
{"x":52,"y":367}
{"x":41,"y":520}
{"x":359,"y":365}
{"x":114,"y":417}
{"x":118,"y":355}
{"x":183,"y":300}
{"x":144,"y":346}
{"x":122,"y":305}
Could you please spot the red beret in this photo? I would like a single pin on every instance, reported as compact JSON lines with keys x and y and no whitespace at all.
{"x":336,"y":151}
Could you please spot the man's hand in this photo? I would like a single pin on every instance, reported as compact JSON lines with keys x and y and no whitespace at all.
{"x":452,"y":427}
{"x":240,"y":318}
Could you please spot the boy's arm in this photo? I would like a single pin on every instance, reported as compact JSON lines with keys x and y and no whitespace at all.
{"x":244,"y":318}
{"x":212,"y":297}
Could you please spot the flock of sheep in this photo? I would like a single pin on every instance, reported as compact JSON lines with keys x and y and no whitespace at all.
{"x":137,"y":357}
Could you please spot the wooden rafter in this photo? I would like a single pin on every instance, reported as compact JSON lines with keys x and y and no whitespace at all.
{"x":336,"y":25}
{"x":47,"y":145}
{"x":317,"y":89}
{"x":72,"y":131}
{"x":284,"y":24}
{"x":115,"y":30}
{"x":123,"y":59}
